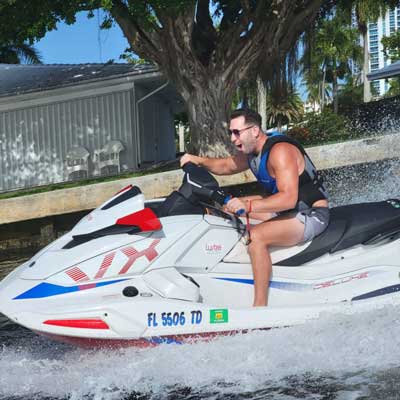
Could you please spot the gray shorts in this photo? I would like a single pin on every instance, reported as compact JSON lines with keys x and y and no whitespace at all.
{"x":315,"y":220}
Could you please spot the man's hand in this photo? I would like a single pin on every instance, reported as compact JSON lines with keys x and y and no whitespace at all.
{"x":235,"y":204}
{"x":190,"y":158}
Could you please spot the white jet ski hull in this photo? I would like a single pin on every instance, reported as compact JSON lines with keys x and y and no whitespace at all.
{"x":180,"y":278}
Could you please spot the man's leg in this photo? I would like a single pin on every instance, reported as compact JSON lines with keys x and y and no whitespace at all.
{"x":280,"y":231}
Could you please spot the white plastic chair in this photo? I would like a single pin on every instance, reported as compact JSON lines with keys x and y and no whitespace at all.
{"x":107,"y":159}
{"x":77,"y":163}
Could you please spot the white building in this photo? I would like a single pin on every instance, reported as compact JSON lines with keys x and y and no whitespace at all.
{"x":49,"y":111}
{"x":385,"y":26}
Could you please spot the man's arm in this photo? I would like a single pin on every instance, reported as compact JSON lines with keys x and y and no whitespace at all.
{"x":218,"y":166}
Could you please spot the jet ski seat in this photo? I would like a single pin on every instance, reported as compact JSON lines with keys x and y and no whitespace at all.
{"x":365,"y":223}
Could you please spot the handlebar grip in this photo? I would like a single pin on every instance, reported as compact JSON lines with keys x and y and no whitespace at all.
{"x":238,"y":212}
{"x":227,"y":198}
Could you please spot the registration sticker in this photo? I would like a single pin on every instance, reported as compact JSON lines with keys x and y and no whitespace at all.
{"x":219,"y":316}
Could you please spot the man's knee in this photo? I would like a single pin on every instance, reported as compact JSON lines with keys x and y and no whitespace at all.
{"x":259,"y":236}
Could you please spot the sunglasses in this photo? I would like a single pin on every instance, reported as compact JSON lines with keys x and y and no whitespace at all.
{"x":237,"y":132}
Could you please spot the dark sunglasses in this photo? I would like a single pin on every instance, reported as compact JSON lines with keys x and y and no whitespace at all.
{"x":237,"y":132}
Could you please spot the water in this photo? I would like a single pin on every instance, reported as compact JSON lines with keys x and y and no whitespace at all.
{"x":337,"y":357}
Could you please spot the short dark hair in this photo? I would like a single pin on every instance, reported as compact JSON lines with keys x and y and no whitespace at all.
{"x":250,"y":116}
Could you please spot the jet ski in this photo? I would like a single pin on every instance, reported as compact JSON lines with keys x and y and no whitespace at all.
{"x":175,"y":270}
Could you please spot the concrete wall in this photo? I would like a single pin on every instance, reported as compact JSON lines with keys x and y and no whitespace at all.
{"x":66,"y":201}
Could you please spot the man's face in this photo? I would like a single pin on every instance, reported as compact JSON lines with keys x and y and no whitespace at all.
{"x":243,"y":135}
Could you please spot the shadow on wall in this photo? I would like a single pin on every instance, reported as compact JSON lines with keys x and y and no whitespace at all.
{"x":26,"y":166}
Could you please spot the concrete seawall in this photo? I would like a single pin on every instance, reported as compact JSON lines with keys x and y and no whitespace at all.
{"x":65,"y":201}
{"x":28,"y":223}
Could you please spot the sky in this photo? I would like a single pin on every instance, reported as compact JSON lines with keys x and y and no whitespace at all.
{"x":82,"y":42}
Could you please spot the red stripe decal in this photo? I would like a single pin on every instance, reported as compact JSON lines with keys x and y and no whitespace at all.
{"x":77,"y":275}
{"x":145,"y":219}
{"x":150,"y":253}
{"x":124,"y":189}
{"x":107,"y":261}
{"x":91,"y":323}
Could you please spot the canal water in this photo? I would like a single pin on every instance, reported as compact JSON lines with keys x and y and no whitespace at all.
{"x":337,"y":357}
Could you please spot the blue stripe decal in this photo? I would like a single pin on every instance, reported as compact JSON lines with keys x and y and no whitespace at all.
{"x":45,"y":289}
{"x":295,"y":287}
{"x":378,"y":292}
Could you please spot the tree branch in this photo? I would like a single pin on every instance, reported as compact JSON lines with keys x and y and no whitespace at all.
{"x":204,"y":35}
{"x":143,"y":43}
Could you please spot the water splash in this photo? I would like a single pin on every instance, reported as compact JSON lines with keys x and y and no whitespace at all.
{"x":348,"y":353}
{"x":363,"y":182}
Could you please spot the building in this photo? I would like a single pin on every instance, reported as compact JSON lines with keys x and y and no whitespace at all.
{"x":48,"y":112}
{"x":385,"y":26}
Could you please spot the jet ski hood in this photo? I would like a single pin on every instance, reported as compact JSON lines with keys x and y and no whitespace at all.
{"x":123,"y":215}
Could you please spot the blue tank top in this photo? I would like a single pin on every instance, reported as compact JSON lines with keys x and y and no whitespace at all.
{"x":258,"y":165}
{"x":311,"y":188}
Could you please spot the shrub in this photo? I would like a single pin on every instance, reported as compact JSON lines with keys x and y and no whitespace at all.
{"x":301,"y":134}
{"x":320,"y":128}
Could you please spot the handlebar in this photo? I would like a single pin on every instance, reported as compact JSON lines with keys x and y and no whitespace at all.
{"x":205,"y":186}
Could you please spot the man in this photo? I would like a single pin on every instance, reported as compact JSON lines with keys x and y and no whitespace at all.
{"x":296,"y":209}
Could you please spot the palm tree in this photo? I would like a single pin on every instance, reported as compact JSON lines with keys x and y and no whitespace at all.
{"x":278,"y":100}
{"x":317,"y":87}
{"x":335,"y":45}
{"x":19,"y":53}
{"x":283,"y":108}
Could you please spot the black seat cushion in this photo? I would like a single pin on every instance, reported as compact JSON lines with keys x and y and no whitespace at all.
{"x":351,"y":225}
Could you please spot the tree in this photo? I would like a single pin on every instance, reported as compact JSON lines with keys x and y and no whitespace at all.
{"x":284,"y":108}
{"x":13,"y":53}
{"x":335,"y":46}
{"x":204,"y":47}
{"x":391,"y":50}
{"x":284,"y":105}
{"x":391,"y":46}
{"x":351,"y":92}
{"x":318,"y":89}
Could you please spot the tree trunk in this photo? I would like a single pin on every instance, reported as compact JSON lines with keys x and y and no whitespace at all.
{"x":365,"y":70}
{"x":335,"y":93}
{"x":262,"y":102}
{"x":279,"y":125}
{"x":209,"y":127}
{"x":181,"y":135}
{"x":323,"y":91}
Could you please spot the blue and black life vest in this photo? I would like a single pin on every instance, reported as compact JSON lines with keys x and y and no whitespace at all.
{"x":311,"y":187}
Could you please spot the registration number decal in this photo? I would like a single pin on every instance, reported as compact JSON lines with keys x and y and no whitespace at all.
{"x":174,"y":318}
